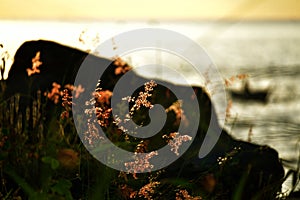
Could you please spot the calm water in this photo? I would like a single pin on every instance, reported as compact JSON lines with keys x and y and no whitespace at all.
{"x":269,"y":52}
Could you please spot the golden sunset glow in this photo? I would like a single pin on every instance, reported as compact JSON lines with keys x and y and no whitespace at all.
{"x":151,"y":10}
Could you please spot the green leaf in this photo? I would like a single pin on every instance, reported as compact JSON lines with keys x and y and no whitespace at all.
{"x":54,"y":164}
{"x":46,"y":159}
{"x":26,"y":187}
{"x":62,"y":187}
{"x":51,"y":161}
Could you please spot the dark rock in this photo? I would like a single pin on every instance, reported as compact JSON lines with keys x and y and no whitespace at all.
{"x":246,"y":171}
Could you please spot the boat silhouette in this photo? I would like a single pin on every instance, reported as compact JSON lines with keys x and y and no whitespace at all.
{"x":246,"y":93}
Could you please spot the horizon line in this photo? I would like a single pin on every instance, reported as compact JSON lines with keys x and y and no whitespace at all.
{"x":154,"y":20}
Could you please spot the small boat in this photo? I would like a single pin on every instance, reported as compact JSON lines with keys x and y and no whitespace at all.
{"x":249,"y":94}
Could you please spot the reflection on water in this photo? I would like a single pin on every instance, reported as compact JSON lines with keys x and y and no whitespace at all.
{"x":275,"y":124}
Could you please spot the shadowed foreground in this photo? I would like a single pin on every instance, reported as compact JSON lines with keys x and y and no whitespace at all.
{"x":42,"y":156}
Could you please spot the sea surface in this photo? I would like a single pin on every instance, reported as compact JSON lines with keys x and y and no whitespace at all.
{"x":268,"y":52}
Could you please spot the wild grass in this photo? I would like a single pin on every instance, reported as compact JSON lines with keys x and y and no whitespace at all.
{"x":42,"y":156}
{"x":45,"y":159}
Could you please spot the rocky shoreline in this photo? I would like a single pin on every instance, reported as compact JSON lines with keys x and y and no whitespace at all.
{"x":232,"y":170}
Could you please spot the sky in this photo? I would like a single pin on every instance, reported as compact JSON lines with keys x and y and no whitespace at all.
{"x":151,"y":9}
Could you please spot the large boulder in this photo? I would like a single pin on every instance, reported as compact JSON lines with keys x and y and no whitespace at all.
{"x":239,"y":169}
